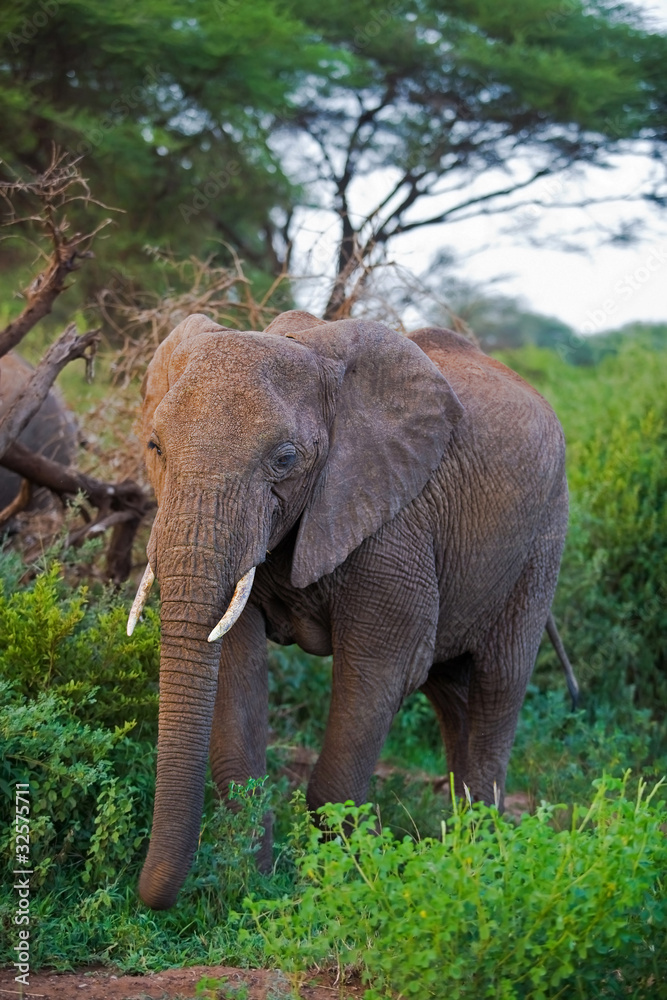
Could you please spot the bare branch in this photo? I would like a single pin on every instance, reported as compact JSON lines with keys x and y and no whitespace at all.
{"x":353,"y":149}
{"x":145,"y":319}
{"x":19,"y":503}
{"x":122,"y":506}
{"x":60,"y":185}
{"x":479,"y":200}
{"x":41,"y":295}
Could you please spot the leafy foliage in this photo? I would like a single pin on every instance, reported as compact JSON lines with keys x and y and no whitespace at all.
{"x":49,"y":639}
{"x":72,"y":775}
{"x":611,"y":602}
{"x":493,"y":909}
{"x":214,"y":125}
{"x":169,"y":108}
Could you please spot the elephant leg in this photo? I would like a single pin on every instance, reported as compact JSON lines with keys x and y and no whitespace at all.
{"x":383,"y":637}
{"x":447,"y":688}
{"x":503,"y":664}
{"x":240,"y":720}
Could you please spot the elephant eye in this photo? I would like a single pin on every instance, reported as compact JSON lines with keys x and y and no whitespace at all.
{"x":283,"y":460}
{"x":153,"y":446}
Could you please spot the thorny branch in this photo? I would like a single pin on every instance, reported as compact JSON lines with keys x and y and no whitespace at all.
{"x":60,"y":185}
{"x":145,"y":319}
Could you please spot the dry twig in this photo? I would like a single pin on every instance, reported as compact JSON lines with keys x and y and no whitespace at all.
{"x":60,"y":185}
{"x":144,"y":319}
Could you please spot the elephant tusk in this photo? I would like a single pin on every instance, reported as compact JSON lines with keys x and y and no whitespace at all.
{"x":139,"y":601}
{"x":236,"y":606}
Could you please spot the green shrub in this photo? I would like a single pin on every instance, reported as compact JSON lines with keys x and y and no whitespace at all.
{"x":82,"y":798}
{"x":299,"y":695}
{"x":611,"y":602}
{"x":51,"y":639}
{"x":488,"y":910}
{"x":558,"y":752}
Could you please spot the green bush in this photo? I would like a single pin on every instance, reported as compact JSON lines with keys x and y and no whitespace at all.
{"x":299,"y":695}
{"x":611,"y":602}
{"x":490,"y":909}
{"x":51,"y":639}
{"x":74,"y":795}
{"x":558,"y":752}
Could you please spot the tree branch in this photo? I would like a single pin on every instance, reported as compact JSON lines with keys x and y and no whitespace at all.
{"x":121,"y":506}
{"x":60,"y":185}
{"x":19,"y":503}
{"x":480,"y":199}
{"x":67,"y":482}
{"x":41,"y":294}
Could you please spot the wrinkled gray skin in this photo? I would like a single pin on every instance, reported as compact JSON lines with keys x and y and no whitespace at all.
{"x":52,"y":432}
{"x":405,"y":502}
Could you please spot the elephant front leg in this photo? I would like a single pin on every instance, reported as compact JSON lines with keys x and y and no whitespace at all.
{"x":383,"y":636}
{"x":240,"y":721}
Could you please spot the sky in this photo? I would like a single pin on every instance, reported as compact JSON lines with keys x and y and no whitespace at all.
{"x":601,"y":286}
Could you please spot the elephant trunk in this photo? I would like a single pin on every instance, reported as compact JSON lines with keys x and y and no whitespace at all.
{"x":196,"y":585}
{"x":188,"y":684}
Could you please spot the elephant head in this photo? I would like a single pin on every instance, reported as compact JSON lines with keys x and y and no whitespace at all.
{"x":246,"y":435}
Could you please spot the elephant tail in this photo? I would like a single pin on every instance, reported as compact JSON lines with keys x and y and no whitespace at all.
{"x":557,"y":644}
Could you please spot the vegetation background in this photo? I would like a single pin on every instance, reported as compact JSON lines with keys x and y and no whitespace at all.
{"x":212,"y":129}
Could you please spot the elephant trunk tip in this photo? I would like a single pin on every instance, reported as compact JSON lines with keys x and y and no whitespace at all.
{"x":159,"y":886}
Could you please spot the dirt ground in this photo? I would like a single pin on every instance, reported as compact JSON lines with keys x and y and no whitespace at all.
{"x":178,"y":984}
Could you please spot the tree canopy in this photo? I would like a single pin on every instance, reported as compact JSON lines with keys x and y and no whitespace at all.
{"x":168,"y":103}
{"x":214,"y":122}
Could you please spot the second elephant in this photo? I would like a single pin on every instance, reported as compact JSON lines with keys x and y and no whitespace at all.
{"x":52,"y":432}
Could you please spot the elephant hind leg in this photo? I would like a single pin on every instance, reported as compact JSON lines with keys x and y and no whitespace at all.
{"x":503,"y":664}
{"x":447,"y":688}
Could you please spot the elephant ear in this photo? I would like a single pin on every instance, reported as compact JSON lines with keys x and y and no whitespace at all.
{"x":168,"y":364}
{"x":394,"y":415}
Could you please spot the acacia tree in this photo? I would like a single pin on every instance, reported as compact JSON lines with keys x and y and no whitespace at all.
{"x":218,"y":120}
{"x":437,"y":94}
{"x":169,"y":105}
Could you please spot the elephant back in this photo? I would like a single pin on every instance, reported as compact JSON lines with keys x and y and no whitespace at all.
{"x":52,"y":432}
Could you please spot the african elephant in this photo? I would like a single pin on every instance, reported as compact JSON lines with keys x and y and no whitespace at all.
{"x":401,"y":503}
{"x":52,"y":432}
